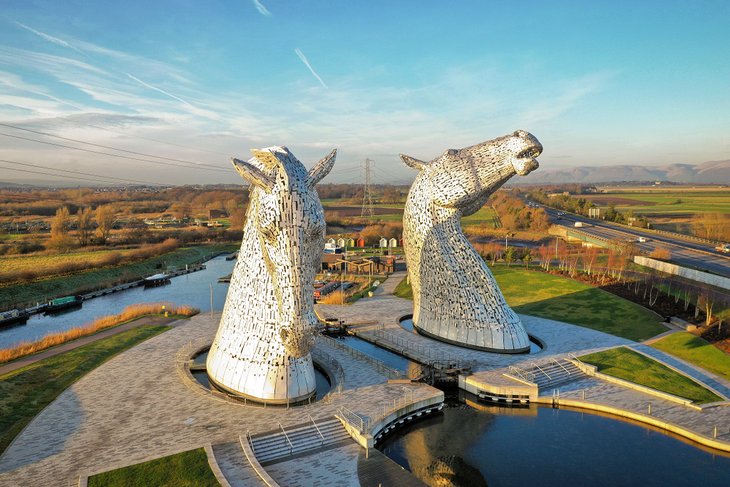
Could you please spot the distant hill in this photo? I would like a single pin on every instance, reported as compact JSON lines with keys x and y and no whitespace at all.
{"x":708,"y":172}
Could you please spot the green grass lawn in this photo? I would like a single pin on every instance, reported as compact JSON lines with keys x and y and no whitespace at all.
{"x":25,"y":392}
{"x":626,"y":364}
{"x":538,"y":294}
{"x":667,"y":202}
{"x":696,"y":351}
{"x":403,"y":289}
{"x":186,"y":469}
{"x":45,"y":289}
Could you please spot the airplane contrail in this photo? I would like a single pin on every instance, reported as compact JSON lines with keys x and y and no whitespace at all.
{"x":311,"y":69}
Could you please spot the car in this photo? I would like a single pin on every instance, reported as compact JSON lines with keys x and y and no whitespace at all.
{"x":724,"y":248}
{"x":642,"y":239}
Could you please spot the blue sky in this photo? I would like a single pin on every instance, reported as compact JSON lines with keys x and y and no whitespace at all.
{"x":598,"y":83}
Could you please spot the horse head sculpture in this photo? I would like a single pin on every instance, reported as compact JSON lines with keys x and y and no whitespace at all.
{"x":455,"y":296}
{"x":267,"y":328}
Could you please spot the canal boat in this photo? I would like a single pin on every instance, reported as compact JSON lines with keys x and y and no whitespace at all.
{"x":13,"y":317}
{"x":61,"y":304}
{"x":156,"y":280}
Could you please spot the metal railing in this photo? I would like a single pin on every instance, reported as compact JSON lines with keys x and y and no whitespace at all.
{"x":522,"y":374}
{"x":333,"y":367}
{"x":317,"y":428}
{"x":379,"y":366}
{"x":562,"y":366}
{"x":250,"y":441}
{"x":426,"y":352}
{"x":396,"y":404}
{"x":354,"y":419}
{"x":291,"y":446}
{"x":543,"y":372}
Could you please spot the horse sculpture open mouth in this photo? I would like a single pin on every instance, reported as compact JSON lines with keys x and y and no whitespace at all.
{"x":525,"y":162}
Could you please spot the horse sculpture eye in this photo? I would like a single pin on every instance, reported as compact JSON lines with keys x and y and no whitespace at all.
{"x":269,"y":233}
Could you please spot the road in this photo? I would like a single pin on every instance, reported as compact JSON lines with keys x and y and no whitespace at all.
{"x":684,"y":252}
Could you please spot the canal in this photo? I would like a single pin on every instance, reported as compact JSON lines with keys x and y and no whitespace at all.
{"x":189,"y":289}
{"x":474,"y":445}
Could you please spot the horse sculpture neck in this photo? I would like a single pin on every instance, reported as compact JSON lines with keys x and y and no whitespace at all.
{"x":261,"y":350}
{"x":455,"y":296}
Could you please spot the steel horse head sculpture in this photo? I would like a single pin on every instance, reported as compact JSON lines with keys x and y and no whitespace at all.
{"x":261,"y":349}
{"x":455,"y":296}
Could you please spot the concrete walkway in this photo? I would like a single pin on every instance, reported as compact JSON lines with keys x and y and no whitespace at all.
{"x":719,"y":384}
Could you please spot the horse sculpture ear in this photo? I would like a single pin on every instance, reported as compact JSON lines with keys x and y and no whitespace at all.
{"x":321,"y":169}
{"x":411,"y":162}
{"x":253,"y":174}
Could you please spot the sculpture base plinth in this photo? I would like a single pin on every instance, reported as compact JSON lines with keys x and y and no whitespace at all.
{"x":275,"y":401}
{"x":423,"y":332}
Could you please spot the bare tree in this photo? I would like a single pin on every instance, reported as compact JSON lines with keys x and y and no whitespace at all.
{"x":83,"y":224}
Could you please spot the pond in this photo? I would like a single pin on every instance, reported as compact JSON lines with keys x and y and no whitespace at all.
{"x":539,"y":445}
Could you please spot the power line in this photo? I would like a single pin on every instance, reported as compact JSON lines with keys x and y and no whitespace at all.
{"x":56,"y":175}
{"x":145,"y":138}
{"x":211,"y":168}
{"x":105,"y":146}
{"x":77,"y":172}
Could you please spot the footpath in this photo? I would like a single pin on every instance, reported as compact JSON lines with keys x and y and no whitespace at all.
{"x":80,"y":342}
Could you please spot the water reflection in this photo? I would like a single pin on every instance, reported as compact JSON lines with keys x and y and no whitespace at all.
{"x":190,"y":289}
{"x":544,"y":446}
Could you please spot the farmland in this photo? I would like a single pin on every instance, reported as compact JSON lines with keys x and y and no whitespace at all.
{"x":668,"y":202}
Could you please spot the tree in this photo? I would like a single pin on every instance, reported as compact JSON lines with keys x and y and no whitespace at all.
{"x":527,"y":258}
{"x":509,"y":255}
{"x":59,"y":229}
{"x":83,"y":224}
{"x":60,"y":223}
{"x":105,"y":215}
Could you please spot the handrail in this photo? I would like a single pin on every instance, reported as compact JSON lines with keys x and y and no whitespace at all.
{"x":317,"y":428}
{"x":540,"y":369}
{"x":522,"y":374}
{"x":354,"y":419}
{"x":379,"y":366}
{"x":562,"y":366}
{"x":291,"y":447}
{"x":250,"y":441}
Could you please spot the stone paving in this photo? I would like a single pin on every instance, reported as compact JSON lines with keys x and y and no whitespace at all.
{"x":136,"y":407}
{"x":333,"y":467}
{"x":604,"y":393}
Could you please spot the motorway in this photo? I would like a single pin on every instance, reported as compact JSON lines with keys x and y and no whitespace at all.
{"x":686,"y":252}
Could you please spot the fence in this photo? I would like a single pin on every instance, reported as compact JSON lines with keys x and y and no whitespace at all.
{"x":379,"y":366}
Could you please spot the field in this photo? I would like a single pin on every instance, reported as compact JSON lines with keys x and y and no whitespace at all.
{"x":20,"y":263}
{"x":538,"y":294}
{"x":628,"y":365}
{"x":394,"y":213}
{"x":25,"y":392}
{"x":666,"y":201}
{"x":186,"y":469}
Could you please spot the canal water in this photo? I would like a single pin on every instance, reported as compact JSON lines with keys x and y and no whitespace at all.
{"x":189,"y":289}
{"x":538,"y":445}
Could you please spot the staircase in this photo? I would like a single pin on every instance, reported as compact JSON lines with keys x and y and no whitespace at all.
{"x":550,"y":374}
{"x":270,"y":447}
